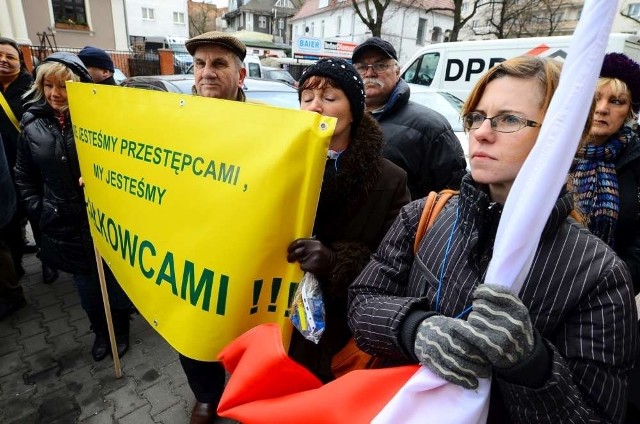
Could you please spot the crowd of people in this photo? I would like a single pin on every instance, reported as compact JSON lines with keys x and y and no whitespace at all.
{"x":563,"y":349}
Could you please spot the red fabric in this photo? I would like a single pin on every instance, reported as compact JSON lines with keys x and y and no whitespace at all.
{"x":267,"y":386}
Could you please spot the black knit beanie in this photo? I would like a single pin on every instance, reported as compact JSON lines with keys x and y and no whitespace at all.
{"x":620,"y":66}
{"x":346,"y":77}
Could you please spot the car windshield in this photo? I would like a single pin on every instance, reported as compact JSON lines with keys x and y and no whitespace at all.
{"x":179,"y":48}
{"x":281,"y":74}
{"x":446,"y":104}
{"x":284,"y":99}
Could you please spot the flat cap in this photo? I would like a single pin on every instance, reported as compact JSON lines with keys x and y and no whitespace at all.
{"x":223,"y":39}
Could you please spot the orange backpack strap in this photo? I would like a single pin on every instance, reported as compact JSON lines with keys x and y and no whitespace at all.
{"x":432,"y":207}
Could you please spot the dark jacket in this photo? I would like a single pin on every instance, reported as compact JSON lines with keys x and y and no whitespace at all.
{"x":422,"y":142}
{"x":627,"y":235}
{"x":13,"y":95}
{"x":7,"y":192}
{"x":356,"y":208}
{"x":578,"y":293}
{"x":47,"y":174}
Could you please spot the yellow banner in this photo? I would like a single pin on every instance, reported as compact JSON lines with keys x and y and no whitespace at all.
{"x":193,"y":201}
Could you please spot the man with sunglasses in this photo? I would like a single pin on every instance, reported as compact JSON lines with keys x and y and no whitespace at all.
{"x":416,"y":138}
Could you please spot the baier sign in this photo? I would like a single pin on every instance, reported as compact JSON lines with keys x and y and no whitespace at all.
{"x":316,"y":48}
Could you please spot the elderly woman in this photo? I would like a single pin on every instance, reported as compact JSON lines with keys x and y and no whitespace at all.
{"x":360,"y":197}
{"x":15,"y":80}
{"x":558,"y":353}
{"x":606,"y":174}
{"x":47,"y":174}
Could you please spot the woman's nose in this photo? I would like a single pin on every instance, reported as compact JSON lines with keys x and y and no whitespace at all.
{"x":316,"y":105}
{"x":602,"y":106}
{"x":484,"y":133}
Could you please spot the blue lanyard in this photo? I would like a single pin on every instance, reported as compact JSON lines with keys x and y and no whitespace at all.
{"x":443,"y":267}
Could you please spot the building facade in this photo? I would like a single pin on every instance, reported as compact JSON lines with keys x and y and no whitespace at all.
{"x":529,"y":18}
{"x":271,"y":17}
{"x":65,"y":23}
{"x":157,"y":18}
{"x":406,"y":25}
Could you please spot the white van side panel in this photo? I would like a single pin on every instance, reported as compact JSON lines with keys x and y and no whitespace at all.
{"x":455,"y":67}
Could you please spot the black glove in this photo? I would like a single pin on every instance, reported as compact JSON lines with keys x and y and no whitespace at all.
{"x":313,"y":256}
{"x":446,"y":346}
{"x":503,"y":325}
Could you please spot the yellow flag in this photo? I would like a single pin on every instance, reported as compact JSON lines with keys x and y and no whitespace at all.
{"x":193,"y":201}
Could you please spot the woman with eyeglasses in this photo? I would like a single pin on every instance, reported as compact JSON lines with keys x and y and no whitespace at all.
{"x":606,"y":174}
{"x":560,"y":352}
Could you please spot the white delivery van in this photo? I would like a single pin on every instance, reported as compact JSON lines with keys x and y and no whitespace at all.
{"x":455,"y":67}
{"x":254,"y":66}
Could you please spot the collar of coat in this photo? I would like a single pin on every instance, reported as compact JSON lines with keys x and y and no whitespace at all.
{"x":479,"y":212}
{"x":240,"y":97}
{"x":397,"y":100}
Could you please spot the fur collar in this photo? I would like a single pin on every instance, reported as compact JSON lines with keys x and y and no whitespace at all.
{"x":358,"y":169}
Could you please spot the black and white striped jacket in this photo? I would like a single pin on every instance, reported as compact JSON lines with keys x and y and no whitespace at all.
{"x":578,"y":292}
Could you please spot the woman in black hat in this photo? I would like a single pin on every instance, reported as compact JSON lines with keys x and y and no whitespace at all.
{"x":606,"y":174}
{"x":360,"y":197}
{"x":47,"y":174}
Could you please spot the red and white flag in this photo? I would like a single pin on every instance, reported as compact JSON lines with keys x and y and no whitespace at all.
{"x":267,"y":386}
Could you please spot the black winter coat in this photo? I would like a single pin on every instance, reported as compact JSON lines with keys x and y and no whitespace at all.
{"x":47,"y":174}
{"x":13,"y":95}
{"x":627,"y":236}
{"x":578,"y":293}
{"x":357,"y":206}
{"x":422,"y":142}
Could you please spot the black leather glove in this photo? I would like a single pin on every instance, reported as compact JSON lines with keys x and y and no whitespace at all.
{"x":312,"y":255}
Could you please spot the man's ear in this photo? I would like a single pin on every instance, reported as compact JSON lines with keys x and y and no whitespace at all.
{"x":243,"y":75}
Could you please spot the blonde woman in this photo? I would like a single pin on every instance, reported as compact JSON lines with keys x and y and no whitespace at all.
{"x":47,"y":174}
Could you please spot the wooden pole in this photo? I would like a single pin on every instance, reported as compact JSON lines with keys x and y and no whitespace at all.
{"x":107,"y":312}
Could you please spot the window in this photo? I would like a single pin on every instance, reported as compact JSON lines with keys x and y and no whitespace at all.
{"x":69,"y":12}
{"x":323,"y":3}
{"x":422,"y":25}
{"x":178,"y":18}
{"x":148,"y":14}
{"x":634,"y":9}
{"x":322,"y":29}
{"x":262,"y":22}
{"x":474,"y":24}
{"x":339,"y":25}
{"x":284,"y":3}
{"x":558,"y":18}
{"x":313,"y":29}
{"x":465,"y":6}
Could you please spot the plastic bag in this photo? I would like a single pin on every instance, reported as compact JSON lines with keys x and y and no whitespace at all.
{"x":307,"y":308}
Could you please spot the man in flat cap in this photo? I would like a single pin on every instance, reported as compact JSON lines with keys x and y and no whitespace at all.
{"x":218,"y":65}
{"x":99,"y":65}
{"x":219,"y":72}
{"x":416,"y":138}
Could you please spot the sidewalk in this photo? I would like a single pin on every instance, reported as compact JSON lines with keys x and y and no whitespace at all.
{"x":47,"y":374}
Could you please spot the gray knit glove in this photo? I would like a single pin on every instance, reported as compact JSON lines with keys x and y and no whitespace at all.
{"x":443,"y":345}
{"x":502,"y":324}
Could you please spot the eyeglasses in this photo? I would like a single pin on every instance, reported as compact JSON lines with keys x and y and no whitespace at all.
{"x":377,"y":67}
{"x":504,"y":123}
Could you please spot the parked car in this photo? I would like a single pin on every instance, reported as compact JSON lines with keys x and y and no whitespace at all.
{"x":273,"y":93}
{"x":279,"y":74}
{"x":447,"y":105}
